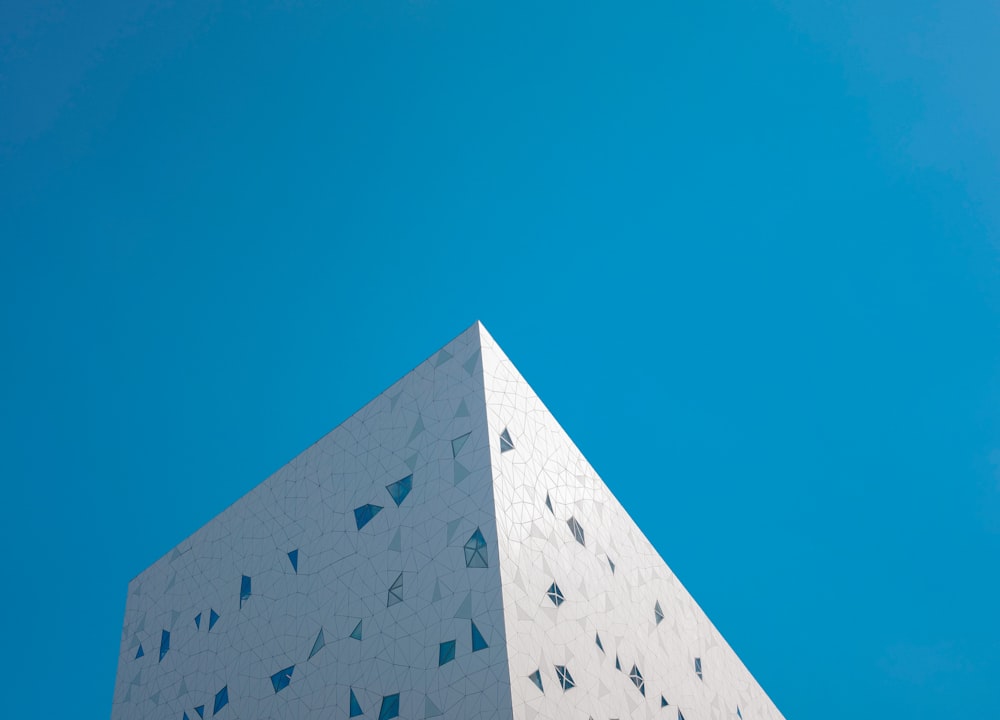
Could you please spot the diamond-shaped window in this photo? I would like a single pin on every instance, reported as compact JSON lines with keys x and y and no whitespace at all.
{"x":658,"y":613}
{"x":555,"y":595}
{"x":505,"y":442}
{"x":636,"y":677}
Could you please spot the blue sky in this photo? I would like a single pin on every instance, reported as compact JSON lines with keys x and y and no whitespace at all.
{"x":746,"y":253}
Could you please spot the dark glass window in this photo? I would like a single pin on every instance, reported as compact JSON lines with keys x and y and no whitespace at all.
{"x":636,"y":677}
{"x":244,"y":590}
{"x":536,"y":677}
{"x":565,"y":679}
{"x":282,"y":678}
{"x":221,"y":699}
{"x":446,"y":652}
{"x":364,"y":514}
{"x":400,"y":489}
{"x":555,"y":595}
{"x":164,"y":643}
{"x":390,"y":707}
{"x":475,"y":551}
{"x":355,"y":706}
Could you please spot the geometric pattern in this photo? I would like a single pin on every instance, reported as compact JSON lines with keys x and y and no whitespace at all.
{"x":479,"y":593}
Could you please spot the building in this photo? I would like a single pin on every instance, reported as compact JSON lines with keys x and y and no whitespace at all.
{"x":445,"y":552}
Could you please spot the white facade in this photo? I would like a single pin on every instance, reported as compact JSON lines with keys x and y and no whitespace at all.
{"x":446,"y":552}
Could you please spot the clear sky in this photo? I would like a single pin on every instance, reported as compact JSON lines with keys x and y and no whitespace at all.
{"x":747,"y":254}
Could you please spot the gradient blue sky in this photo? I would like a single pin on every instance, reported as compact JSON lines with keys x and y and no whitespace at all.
{"x":747,"y":253}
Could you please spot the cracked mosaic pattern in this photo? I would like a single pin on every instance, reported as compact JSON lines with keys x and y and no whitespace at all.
{"x":446,"y":552}
{"x":597,"y":624}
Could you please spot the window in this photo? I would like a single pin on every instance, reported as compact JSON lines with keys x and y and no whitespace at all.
{"x":364,"y":514}
{"x":636,"y":677}
{"x":536,"y":677}
{"x":565,"y":679}
{"x":475,"y":551}
{"x":282,"y":678}
{"x":400,"y":489}
{"x":446,"y":652}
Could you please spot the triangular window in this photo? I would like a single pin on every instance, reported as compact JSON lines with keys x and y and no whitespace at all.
{"x":364,"y":514}
{"x":536,"y":677}
{"x":390,"y":707}
{"x":400,"y":489}
{"x":318,"y":645}
{"x":446,"y":652}
{"x":164,"y":643}
{"x":221,"y":699}
{"x":282,"y":678}
{"x":355,"y":707}
{"x":478,"y":641}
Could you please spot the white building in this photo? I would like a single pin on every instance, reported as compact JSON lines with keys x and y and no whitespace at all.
{"x":446,"y":552}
